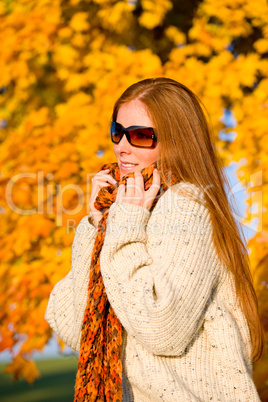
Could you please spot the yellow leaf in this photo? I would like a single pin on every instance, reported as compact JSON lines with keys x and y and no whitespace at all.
{"x":79,"y":22}
{"x":65,"y":32}
{"x":154,"y":12}
{"x":62,"y":345}
{"x":174,"y":34}
{"x":65,"y":55}
{"x":261,"y":45}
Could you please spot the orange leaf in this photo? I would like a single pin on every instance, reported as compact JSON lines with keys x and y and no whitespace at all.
{"x":22,"y":367}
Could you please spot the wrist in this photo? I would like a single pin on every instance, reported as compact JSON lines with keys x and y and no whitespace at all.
{"x":127,"y":222}
{"x":96,"y":217}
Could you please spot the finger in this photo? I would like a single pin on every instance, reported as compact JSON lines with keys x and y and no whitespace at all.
{"x":120,"y":193}
{"x":139,"y":184}
{"x":104,"y":185}
{"x":156,"y":178}
{"x":98,"y":186}
{"x":153,"y":190}
{"x":130,"y":187}
{"x":103,"y":170}
{"x":95,"y":192}
{"x":155,"y":183}
{"x":104,"y":177}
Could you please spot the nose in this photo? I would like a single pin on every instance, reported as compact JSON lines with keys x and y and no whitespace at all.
{"x":124,"y":145}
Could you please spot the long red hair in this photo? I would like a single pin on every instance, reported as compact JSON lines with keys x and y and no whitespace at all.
{"x":187,"y":149}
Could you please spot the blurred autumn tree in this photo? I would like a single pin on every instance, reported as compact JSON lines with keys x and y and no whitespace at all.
{"x":63,"y":64}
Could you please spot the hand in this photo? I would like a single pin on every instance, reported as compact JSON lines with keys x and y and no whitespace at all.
{"x":101,"y":179}
{"x":134,"y":193}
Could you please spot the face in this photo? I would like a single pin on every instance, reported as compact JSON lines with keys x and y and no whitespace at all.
{"x":129,"y":158}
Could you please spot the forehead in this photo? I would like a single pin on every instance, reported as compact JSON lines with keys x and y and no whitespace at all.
{"x":133,"y":113}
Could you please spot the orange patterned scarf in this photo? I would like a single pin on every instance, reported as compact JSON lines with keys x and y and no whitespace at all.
{"x":99,"y":373}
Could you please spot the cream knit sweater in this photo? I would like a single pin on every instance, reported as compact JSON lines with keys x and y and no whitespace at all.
{"x":184,"y":339}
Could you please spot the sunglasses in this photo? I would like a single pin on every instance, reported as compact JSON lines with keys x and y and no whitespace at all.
{"x":137,"y":136}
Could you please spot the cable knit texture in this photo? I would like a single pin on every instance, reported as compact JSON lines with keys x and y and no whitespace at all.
{"x":99,"y":372}
{"x":184,"y":336}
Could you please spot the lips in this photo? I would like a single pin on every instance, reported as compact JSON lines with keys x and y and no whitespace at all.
{"x":127,"y":167}
{"x":128,"y":164}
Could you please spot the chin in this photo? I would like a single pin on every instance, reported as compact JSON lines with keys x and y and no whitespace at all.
{"x":124,"y":172}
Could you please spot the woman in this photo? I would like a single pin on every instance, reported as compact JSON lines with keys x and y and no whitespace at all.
{"x":159,"y":300}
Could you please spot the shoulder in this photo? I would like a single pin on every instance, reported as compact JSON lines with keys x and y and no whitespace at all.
{"x":180,"y":218}
{"x":85,"y":225}
{"x":183,"y":198}
{"x":85,"y":230}
{"x":189,"y":190}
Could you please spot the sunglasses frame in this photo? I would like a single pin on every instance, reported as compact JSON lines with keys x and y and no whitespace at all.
{"x":130,"y":128}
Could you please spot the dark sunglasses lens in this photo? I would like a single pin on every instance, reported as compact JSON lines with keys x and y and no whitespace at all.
{"x":115,"y":133}
{"x":138,"y":137}
{"x":141,"y":137}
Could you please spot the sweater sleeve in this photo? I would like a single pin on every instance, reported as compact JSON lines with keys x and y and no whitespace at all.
{"x":67,"y":301}
{"x":160,"y":270}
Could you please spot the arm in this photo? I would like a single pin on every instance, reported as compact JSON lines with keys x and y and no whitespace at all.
{"x":67,"y":301}
{"x":159,"y":279}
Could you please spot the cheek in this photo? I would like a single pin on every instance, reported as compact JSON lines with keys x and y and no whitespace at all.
{"x":148,"y":156}
{"x":115,"y":151}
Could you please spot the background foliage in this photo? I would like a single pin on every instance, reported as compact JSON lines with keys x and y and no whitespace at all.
{"x":63,"y":64}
